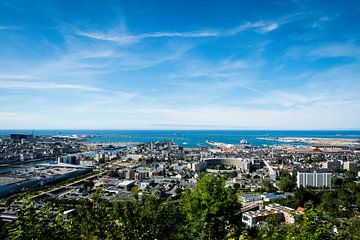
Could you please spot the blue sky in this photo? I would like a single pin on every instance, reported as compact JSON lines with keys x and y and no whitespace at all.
{"x":179,"y":64}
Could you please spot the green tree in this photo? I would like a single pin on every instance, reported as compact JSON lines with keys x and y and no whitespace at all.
{"x":330,"y":203}
{"x":314,"y":225}
{"x":349,"y":229}
{"x":273,"y":229}
{"x":210,"y":209}
{"x":286,"y":183}
{"x":267,"y":186}
{"x":32,"y":224}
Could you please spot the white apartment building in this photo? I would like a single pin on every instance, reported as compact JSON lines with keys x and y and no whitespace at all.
{"x":314,"y":178}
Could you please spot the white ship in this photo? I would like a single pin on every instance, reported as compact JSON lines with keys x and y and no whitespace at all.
{"x":244,"y":142}
{"x":219,"y":144}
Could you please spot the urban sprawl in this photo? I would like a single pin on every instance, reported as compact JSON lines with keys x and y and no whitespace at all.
{"x":70,"y":168}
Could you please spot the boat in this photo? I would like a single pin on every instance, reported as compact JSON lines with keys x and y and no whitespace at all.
{"x":244,"y":142}
{"x":219,"y":144}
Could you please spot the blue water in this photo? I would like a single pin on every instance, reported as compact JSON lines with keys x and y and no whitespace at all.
{"x":191,"y":138}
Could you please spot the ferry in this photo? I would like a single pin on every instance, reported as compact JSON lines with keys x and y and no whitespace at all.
{"x":219,"y":144}
{"x":244,"y":142}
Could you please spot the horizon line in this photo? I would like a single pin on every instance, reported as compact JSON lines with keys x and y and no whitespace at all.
{"x":194,"y":129}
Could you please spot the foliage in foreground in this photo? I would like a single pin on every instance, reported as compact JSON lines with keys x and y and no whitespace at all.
{"x":210,"y":211}
{"x":207,"y":212}
{"x":314,"y":225}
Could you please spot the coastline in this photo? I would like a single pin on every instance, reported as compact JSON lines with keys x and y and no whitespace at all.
{"x":314,"y":141}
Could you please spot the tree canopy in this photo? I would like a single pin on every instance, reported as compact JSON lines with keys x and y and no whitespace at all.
{"x":206,"y":212}
{"x":209,"y":211}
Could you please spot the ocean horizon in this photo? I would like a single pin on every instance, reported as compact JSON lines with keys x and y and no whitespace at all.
{"x":190,"y":138}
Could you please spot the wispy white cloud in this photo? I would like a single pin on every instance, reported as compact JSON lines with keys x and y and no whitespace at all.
{"x":336,"y":86}
{"x":110,"y":102}
{"x":288,"y":99}
{"x":83,"y":68}
{"x":322,"y":20}
{"x":270,"y":27}
{"x":17,"y":120}
{"x":259,"y":26}
{"x":305,"y":117}
{"x":325,"y":50}
{"x":44,"y":86}
{"x":221,"y":70}
{"x":128,"y":61}
{"x":18,"y":115}
{"x":313,"y":116}
{"x":336,"y":50}
{"x":15,"y":76}
{"x":91,"y":54}
{"x":197,"y":34}
{"x":123,"y":37}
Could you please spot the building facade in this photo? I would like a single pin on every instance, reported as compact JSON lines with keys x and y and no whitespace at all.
{"x":313,"y":178}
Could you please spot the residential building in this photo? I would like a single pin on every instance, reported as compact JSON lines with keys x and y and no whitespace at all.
{"x":314,"y":178}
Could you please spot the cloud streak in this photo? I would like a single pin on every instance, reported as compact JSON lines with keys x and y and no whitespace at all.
{"x":41,"y":85}
{"x":123,"y":37}
{"x":325,"y":50}
{"x":336,"y":50}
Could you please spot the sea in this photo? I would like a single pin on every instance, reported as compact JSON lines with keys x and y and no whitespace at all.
{"x":191,"y":138}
